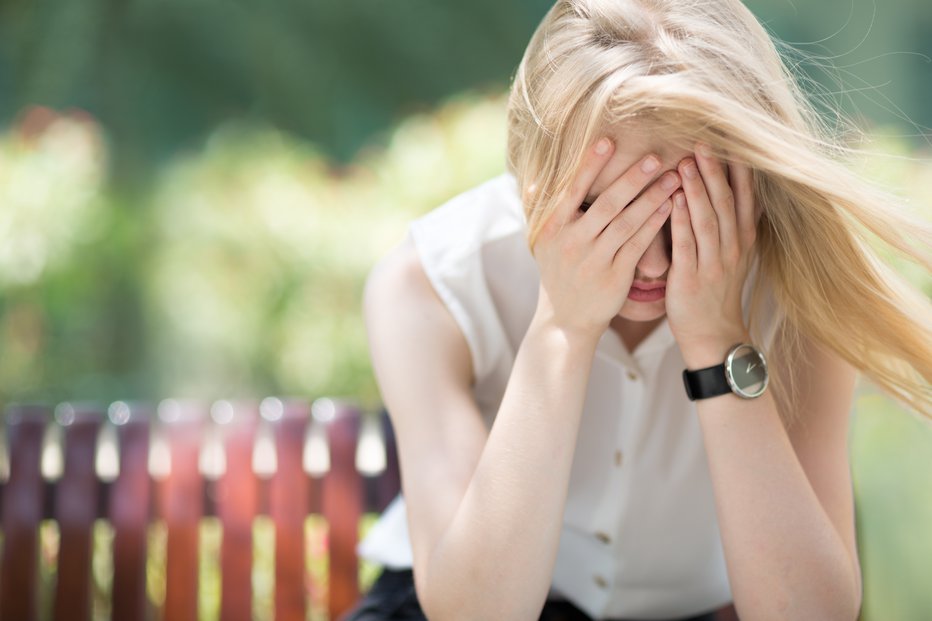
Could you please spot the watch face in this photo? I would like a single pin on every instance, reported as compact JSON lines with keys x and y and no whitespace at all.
{"x":746,"y":371}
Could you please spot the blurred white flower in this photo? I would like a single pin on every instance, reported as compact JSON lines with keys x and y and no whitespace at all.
{"x":50,"y":187}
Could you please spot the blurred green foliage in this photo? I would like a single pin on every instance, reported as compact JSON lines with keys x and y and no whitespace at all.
{"x":201,"y":221}
{"x":161,"y":76}
{"x":891,"y":457}
{"x":239,"y":275}
{"x":193,"y":192}
{"x":255,"y":257}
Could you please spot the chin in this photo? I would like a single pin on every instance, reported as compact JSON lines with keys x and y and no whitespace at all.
{"x":642,"y":311}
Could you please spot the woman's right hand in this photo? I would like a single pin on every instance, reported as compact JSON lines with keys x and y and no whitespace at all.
{"x":587,"y":259}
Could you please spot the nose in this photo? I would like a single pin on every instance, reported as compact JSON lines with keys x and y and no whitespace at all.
{"x":655,"y":261}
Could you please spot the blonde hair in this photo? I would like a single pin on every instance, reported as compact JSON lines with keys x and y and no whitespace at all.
{"x":709,"y":71}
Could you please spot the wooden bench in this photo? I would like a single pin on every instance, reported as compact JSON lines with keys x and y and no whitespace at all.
{"x":181,"y":495}
{"x":177,"y":463}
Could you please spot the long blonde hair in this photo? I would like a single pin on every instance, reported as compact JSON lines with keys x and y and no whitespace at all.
{"x":709,"y":71}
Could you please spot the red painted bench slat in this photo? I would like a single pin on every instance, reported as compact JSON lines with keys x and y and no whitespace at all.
{"x":129,"y":512}
{"x":182,"y":508}
{"x":75,"y":511}
{"x":343,"y":507}
{"x":237,"y":500}
{"x":289,"y":503}
{"x":22,"y":512}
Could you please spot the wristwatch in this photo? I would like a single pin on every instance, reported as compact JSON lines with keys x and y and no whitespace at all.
{"x":744,"y":373}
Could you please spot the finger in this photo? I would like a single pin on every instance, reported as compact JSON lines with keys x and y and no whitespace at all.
{"x":702,"y":216}
{"x":620,"y":193}
{"x":684,"y":241}
{"x":745,"y":208}
{"x":722,"y":198}
{"x":593,"y":161}
{"x":629,"y":221}
{"x":628,"y":254}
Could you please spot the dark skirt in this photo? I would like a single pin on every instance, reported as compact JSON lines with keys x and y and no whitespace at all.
{"x":392,"y":598}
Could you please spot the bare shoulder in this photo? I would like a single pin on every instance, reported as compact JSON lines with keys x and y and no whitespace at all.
{"x":400,"y":302}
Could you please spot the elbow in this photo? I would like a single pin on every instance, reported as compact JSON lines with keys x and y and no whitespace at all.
{"x":839,"y":611}
{"x":464,"y":600}
{"x":437,"y":602}
{"x":438,"y":606}
{"x":456,"y":604}
{"x":479,"y":611}
{"x":830,"y":605}
{"x":833,"y":593}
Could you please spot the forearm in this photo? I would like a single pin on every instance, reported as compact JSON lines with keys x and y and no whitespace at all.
{"x":785,"y":558}
{"x":496,"y":558}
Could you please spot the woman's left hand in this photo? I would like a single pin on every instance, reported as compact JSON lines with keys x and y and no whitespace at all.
{"x":713,"y":229}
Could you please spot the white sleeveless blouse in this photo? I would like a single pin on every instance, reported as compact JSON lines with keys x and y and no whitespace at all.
{"x":640,"y":536}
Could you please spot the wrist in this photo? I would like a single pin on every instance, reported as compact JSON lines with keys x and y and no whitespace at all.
{"x":710,"y":351}
{"x":573,"y":338}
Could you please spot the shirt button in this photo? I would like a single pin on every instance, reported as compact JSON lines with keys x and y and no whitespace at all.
{"x":632,"y":376}
{"x":618,"y":458}
{"x":599,"y":580}
{"x":604,"y":538}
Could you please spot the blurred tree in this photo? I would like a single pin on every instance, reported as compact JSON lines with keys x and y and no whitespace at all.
{"x":193,"y":238}
{"x":161,"y":75}
{"x":873,"y":60}
{"x":239,"y":273}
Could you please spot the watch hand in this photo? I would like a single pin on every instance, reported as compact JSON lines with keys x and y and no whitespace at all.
{"x":750,"y":366}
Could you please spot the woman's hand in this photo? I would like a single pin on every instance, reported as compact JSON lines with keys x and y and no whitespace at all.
{"x":713,"y":230}
{"x":587,"y":258}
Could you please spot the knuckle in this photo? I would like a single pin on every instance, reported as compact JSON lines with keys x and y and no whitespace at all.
{"x":662,"y":188}
{"x":577,"y":188}
{"x":683,"y":245}
{"x":638,"y":244}
{"x":728,"y":197}
{"x":731,"y":255}
{"x":611,"y":201}
{"x":627,"y":255}
{"x":603,"y":206}
{"x":621,"y":228}
{"x":707,"y":225}
{"x":627,"y":187}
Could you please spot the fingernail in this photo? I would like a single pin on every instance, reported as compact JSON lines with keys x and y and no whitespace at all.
{"x":602,"y":146}
{"x":650,"y":164}
{"x":704,"y":150}
{"x":669,"y":181}
{"x":680,"y":200}
{"x":689,"y":169}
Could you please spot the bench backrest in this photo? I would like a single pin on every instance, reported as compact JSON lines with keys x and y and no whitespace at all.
{"x":260,"y":455}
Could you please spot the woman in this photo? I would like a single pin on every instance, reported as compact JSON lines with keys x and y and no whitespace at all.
{"x":662,"y":308}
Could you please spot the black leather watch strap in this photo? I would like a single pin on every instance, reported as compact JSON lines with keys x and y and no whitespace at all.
{"x":705,"y":383}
